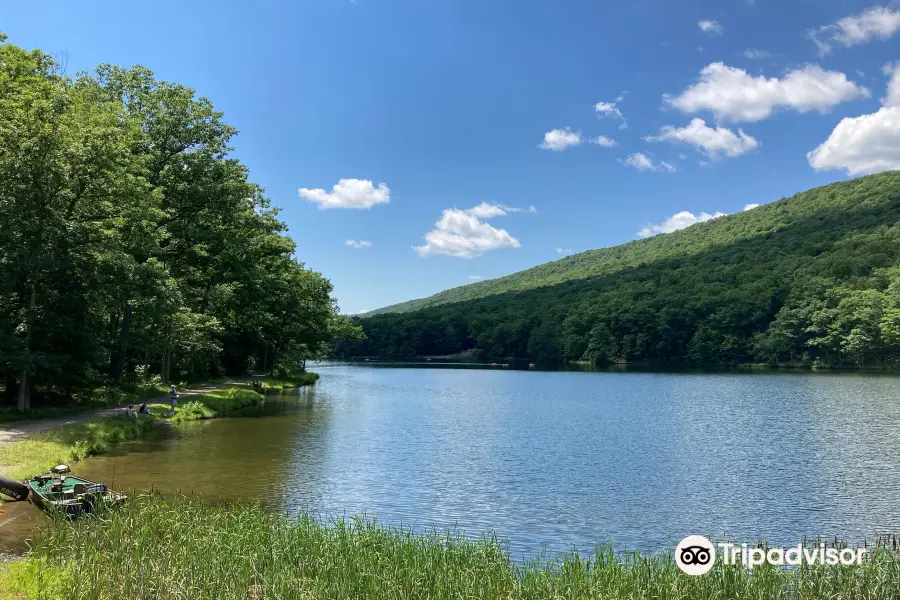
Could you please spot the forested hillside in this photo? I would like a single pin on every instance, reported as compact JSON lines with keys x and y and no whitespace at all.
{"x":131,"y":243}
{"x":811,"y":279}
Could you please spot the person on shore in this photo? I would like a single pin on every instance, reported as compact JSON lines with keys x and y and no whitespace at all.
{"x":129,"y":411}
{"x":173,"y":399}
{"x":143,"y":410}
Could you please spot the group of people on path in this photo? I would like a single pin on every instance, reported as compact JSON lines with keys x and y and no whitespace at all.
{"x":144,"y":410}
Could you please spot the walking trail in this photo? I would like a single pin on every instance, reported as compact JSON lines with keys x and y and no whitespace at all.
{"x":14,"y":432}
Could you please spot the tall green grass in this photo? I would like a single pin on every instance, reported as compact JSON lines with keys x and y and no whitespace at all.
{"x":180,"y":548}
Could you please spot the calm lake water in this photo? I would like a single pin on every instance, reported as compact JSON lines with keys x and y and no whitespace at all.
{"x":554,"y":460}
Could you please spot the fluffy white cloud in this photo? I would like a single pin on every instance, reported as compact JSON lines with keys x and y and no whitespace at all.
{"x":750,"y":206}
{"x":560,"y":139}
{"x":714,"y":143}
{"x":711,"y":27}
{"x":878,"y":22}
{"x":349,"y":193}
{"x":602,"y":140}
{"x":610,"y":110}
{"x":755,"y":53}
{"x":676,"y":222}
{"x":564,"y":251}
{"x":358,"y":244}
{"x":476,"y":277}
{"x":462,"y":234}
{"x":893,"y":91}
{"x":733,"y":94}
{"x":363,"y":311}
{"x":642,"y":162}
{"x":862,"y":145}
{"x":639,"y":162}
{"x":487,"y":211}
{"x":532,"y":209}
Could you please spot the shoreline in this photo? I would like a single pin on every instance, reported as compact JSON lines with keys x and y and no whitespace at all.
{"x":38,"y":450}
{"x":237,"y":550}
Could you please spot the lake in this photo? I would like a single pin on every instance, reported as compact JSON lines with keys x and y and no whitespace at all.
{"x":552,"y":460}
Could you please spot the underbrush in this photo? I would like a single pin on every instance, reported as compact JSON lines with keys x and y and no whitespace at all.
{"x":95,"y":399}
{"x":180,"y":548}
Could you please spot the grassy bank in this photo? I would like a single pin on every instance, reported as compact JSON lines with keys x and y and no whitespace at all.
{"x":70,"y":443}
{"x":209,"y":405}
{"x":77,"y":441}
{"x":179,"y":548}
{"x":286,"y":382}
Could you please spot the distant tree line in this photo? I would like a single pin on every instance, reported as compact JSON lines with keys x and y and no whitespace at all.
{"x":131,"y":242}
{"x":811,"y":280}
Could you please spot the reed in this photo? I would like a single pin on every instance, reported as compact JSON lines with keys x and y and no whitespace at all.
{"x":180,"y":548}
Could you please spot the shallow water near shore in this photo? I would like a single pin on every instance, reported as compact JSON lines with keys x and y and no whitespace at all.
{"x":547,"y":460}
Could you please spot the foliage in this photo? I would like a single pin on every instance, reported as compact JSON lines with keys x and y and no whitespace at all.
{"x":132,"y":242}
{"x":810,"y":280}
{"x":182,"y":548}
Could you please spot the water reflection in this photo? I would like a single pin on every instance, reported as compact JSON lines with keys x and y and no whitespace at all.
{"x":554,"y":459}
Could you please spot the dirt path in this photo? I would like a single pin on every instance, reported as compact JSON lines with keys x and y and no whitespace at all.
{"x":14,"y":432}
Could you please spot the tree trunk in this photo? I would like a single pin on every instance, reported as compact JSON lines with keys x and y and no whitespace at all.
{"x":23,"y":403}
{"x":119,"y":367}
{"x":11,"y":390}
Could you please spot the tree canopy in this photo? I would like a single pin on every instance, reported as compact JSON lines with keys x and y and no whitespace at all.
{"x":813,"y":279}
{"x":130,"y":239}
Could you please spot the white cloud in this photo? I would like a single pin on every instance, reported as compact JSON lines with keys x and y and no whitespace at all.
{"x":564,"y":251}
{"x":639,"y":162}
{"x":732,"y":94}
{"x":363,"y":311}
{"x":750,"y":206}
{"x":476,"y":277}
{"x":560,"y":139}
{"x":893,"y":91}
{"x":487,"y":211}
{"x":610,"y":110}
{"x":349,"y":193}
{"x":676,"y":222}
{"x":878,"y":22}
{"x":714,"y":143}
{"x":755,"y":53}
{"x":602,"y":140}
{"x":462,"y":234}
{"x":711,"y":27}
{"x":358,"y":244}
{"x":642,"y":162}
{"x":861,"y":145}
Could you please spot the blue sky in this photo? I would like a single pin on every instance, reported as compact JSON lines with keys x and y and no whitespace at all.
{"x":447,"y":105}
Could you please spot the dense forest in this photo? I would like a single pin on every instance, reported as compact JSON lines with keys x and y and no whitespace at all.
{"x":132,"y":244}
{"x":809,"y":280}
